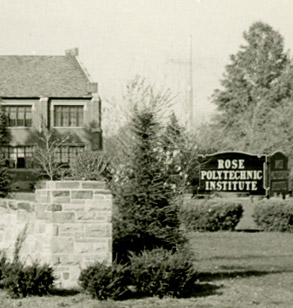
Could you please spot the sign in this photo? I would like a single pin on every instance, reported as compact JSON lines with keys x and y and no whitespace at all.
{"x":233,"y":172}
{"x":278,"y":173}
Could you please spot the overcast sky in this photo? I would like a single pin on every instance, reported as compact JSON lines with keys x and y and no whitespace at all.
{"x":118,"y":39}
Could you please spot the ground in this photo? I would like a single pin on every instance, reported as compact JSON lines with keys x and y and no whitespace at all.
{"x":235,"y":270}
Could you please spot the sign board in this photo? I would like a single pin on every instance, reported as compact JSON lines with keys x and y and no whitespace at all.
{"x":278,"y":173}
{"x":233,"y":172}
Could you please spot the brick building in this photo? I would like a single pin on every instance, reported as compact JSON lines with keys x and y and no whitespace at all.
{"x":55,"y":91}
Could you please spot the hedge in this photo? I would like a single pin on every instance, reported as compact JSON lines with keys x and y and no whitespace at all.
{"x":274,"y":215}
{"x":210,"y":215}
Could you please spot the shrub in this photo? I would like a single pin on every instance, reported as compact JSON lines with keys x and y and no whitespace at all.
{"x":274,"y":215}
{"x":105,"y":282}
{"x":211,"y":215}
{"x":3,"y":266}
{"x":89,"y":165}
{"x":23,"y":280}
{"x":162,"y":273}
{"x":5,"y":180}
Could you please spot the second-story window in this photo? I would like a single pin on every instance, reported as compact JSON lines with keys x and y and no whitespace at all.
{"x":68,"y":116}
{"x":18,"y":115}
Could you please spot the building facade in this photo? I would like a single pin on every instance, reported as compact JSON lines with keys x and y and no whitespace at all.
{"x":52,"y":92}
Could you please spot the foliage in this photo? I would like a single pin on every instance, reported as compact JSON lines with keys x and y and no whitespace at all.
{"x":163,"y":273}
{"x":151,"y":273}
{"x":210,"y":215}
{"x":143,"y":187}
{"x":5,"y":179}
{"x":89,"y":166}
{"x":3,"y":266}
{"x":23,"y":280}
{"x":105,"y":282}
{"x":182,"y":167}
{"x":256,"y":81}
{"x":5,"y":135}
{"x":274,"y":215}
{"x":45,"y":152}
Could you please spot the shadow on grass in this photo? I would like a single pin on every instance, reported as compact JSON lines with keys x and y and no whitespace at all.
{"x":64,"y":292}
{"x":205,"y":289}
{"x":208,"y":276}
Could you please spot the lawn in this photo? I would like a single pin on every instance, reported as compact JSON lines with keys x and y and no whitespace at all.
{"x":236,"y":269}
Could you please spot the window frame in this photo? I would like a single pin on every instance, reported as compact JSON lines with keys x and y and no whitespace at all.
{"x":16,"y":110}
{"x":63,"y":115}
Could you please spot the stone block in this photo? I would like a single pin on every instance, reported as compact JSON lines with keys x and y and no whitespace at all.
{"x":54,"y":207}
{"x":62,"y":245}
{"x":102,"y":192}
{"x":62,"y":217}
{"x":23,"y":216}
{"x":68,"y":184}
{"x":81,"y":248}
{"x":3,"y":204}
{"x":93,"y":184}
{"x":42,"y":196}
{"x":27,"y":206}
{"x":82,"y":194}
{"x":98,"y":230}
{"x":98,"y":204}
{"x":70,"y":229}
{"x":12,"y":204}
{"x":70,"y":260}
{"x":78,"y":206}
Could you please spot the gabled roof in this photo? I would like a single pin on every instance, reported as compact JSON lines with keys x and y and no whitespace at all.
{"x":43,"y":76}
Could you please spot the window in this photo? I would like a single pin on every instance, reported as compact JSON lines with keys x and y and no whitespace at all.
{"x":68,"y":154}
{"x":18,"y":115}
{"x":18,"y":157}
{"x":68,"y":116}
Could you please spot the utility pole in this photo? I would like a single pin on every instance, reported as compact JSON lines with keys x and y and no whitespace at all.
{"x":188,"y":104}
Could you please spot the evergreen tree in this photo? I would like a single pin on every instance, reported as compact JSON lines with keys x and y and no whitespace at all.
{"x":4,"y":141}
{"x":147,"y":213}
{"x":255,"y":82}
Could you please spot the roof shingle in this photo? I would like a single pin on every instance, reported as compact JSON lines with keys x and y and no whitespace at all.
{"x":42,"y":76}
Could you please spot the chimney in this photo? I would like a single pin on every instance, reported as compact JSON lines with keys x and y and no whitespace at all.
{"x":72,"y":52}
{"x":93,"y":87}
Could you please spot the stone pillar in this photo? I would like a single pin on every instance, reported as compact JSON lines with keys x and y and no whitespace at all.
{"x":80,"y":214}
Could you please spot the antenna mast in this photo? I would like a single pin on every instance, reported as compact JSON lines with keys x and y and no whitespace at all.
{"x":190,"y":89}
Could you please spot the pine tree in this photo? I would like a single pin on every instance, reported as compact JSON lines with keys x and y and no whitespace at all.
{"x":147,"y":214}
{"x":4,"y":140}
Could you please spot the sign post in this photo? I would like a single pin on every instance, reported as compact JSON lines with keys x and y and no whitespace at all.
{"x":278,"y":174}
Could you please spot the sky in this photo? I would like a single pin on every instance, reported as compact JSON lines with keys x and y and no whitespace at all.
{"x":118,"y":39}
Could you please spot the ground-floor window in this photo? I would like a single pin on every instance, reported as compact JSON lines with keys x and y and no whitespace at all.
{"x":22,"y":156}
{"x":18,"y":156}
{"x":68,"y":154}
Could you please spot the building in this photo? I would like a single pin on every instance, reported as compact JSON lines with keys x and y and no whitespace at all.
{"x":53,"y":92}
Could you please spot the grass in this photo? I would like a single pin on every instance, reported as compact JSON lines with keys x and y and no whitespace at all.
{"x":236,"y":269}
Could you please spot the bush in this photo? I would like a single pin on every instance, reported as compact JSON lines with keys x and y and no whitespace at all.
{"x":152,"y":273}
{"x":162,"y":273}
{"x":274,"y":215}
{"x":89,"y":165}
{"x":5,"y":180}
{"x":3,"y":266}
{"x":23,"y":280}
{"x":105,"y":282}
{"x":211,"y":215}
